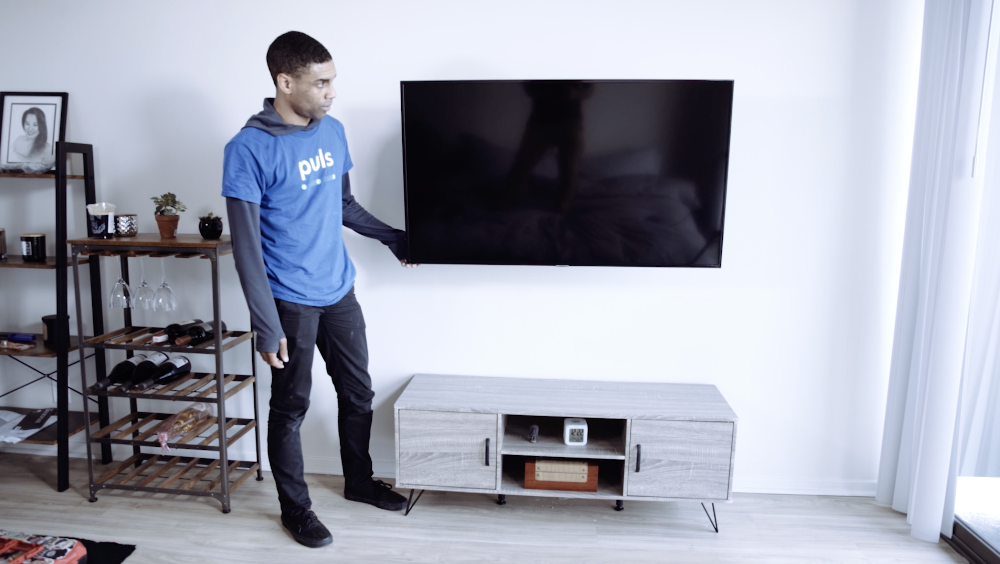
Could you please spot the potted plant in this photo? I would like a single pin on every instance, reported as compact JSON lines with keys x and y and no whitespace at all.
{"x":167,"y":208}
{"x":210,"y":226}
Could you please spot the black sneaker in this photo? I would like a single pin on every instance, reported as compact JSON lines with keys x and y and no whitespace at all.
{"x":377,"y":493}
{"x":306,"y":529}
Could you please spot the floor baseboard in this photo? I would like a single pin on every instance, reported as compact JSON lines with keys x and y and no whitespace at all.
{"x":800,"y":486}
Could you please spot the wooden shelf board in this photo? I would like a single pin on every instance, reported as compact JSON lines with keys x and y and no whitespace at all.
{"x":46,"y":175}
{"x":47,"y":436}
{"x":175,"y":474}
{"x":184,"y":242}
{"x":147,"y":424}
{"x":41,"y":350}
{"x":15,"y":261}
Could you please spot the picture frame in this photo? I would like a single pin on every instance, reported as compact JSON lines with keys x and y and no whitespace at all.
{"x":30,"y":125}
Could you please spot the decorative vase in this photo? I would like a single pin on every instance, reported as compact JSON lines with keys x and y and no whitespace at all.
{"x":167,"y":225}
{"x":210,"y":227}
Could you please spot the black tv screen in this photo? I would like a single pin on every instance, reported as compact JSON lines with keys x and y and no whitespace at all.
{"x":566,"y":172}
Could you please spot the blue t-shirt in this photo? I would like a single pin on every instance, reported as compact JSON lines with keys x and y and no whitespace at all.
{"x":296,"y":181}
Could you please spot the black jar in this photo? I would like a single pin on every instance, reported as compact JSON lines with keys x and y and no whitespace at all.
{"x":49,"y":329}
{"x":33,"y":247}
{"x":210,"y":227}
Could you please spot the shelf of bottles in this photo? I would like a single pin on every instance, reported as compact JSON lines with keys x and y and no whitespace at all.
{"x":142,"y":339}
{"x":159,"y":367}
{"x":195,"y":386}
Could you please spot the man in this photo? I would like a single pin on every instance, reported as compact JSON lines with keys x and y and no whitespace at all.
{"x":287,"y":192}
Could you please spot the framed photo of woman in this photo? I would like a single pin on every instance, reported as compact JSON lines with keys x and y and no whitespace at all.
{"x":30,"y":125}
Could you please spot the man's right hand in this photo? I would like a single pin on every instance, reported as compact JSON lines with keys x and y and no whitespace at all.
{"x":278,"y":359}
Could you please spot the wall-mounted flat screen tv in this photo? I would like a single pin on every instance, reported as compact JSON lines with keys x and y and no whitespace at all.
{"x":566,"y":172}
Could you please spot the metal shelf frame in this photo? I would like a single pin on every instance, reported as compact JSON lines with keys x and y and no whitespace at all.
{"x":143,"y":425}
{"x":62,"y":343}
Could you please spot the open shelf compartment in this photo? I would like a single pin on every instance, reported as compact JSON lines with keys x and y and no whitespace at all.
{"x":196,"y":386}
{"x":140,"y":428}
{"x":141,"y":339}
{"x":39,"y":349}
{"x":605,"y":440}
{"x":610,"y":483}
{"x":174,"y":474}
{"x":48,"y":435}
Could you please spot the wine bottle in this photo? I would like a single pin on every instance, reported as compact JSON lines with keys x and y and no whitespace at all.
{"x":165,"y":373}
{"x":175,"y":330}
{"x":199,"y":333}
{"x":120,"y":373}
{"x":144,"y":370}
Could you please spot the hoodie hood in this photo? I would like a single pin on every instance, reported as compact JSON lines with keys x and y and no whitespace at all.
{"x":268,"y":120}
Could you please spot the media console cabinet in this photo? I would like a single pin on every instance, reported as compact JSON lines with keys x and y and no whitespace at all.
{"x":650,"y":441}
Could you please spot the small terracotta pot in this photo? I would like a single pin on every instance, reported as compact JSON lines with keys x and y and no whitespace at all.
{"x":210,"y":228}
{"x":167,"y":225}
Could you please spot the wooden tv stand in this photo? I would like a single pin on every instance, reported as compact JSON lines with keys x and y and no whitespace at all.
{"x":652,"y":441}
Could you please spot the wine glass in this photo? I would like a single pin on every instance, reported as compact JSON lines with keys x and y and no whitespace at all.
{"x":164,"y":299}
{"x":144,"y":294}
{"x":121,"y":294}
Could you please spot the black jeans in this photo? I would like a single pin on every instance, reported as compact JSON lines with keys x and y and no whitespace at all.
{"x":339,"y":331}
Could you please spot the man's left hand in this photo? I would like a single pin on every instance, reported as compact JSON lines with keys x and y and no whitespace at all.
{"x":408,"y":264}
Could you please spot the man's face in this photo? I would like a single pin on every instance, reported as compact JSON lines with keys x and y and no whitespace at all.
{"x":312,"y":92}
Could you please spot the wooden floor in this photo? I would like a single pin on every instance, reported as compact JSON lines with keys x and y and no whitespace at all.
{"x":451,"y":527}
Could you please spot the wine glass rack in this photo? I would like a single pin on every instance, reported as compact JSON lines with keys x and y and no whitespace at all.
{"x":201,"y":465}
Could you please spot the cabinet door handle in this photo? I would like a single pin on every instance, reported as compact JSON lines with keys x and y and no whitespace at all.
{"x":487,"y":452}
{"x":638,"y":456}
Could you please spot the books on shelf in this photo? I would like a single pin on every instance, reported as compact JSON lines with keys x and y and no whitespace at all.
{"x":15,"y":427}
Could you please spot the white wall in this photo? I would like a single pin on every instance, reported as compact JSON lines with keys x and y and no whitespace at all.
{"x":795,"y":328}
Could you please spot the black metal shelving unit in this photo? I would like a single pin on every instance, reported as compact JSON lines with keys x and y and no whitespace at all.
{"x":67,"y":422}
{"x":205,"y":469}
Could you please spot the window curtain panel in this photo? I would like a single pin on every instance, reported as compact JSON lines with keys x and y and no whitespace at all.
{"x":924,"y":427}
{"x":979,"y":415}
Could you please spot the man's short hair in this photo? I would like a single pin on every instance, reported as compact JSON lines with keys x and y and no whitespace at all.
{"x":292,"y":52}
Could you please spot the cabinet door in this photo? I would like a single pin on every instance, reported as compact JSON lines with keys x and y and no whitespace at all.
{"x":683,"y":459}
{"x":440,"y":448}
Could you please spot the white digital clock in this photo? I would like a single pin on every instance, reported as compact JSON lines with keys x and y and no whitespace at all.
{"x":575,"y":431}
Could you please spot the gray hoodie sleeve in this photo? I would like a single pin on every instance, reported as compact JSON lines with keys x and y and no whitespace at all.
{"x":244,"y":227}
{"x":361,"y":222}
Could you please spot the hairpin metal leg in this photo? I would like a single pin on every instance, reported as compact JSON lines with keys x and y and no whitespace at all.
{"x":715,"y":521}
{"x":619,"y":505}
{"x":501,"y":499}
{"x":411,"y":502}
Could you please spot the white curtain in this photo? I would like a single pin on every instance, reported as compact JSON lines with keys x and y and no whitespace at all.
{"x":979,"y":431}
{"x":926,"y":424}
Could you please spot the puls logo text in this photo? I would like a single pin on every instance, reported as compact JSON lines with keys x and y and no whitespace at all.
{"x":309,"y":166}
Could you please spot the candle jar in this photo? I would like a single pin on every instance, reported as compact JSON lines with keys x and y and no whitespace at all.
{"x":126,"y":225}
{"x":101,"y":220}
{"x":33,"y":247}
